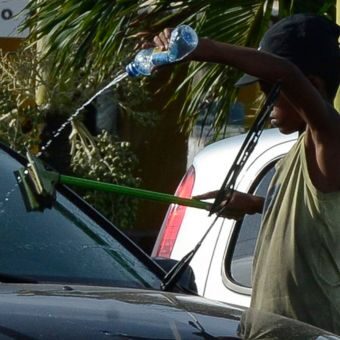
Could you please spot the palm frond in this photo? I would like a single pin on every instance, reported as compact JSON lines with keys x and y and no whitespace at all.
{"x":241,"y":24}
{"x":98,"y":38}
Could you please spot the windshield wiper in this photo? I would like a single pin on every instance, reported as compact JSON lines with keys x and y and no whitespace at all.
{"x":248,"y":145}
{"x":175,"y":273}
{"x":227,"y":188}
{"x":7,"y":278}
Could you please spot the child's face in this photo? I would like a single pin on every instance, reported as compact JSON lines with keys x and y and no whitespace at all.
{"x":284,"y":116}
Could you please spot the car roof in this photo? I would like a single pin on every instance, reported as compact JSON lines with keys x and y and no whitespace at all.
{"x":213,"y":162}
{"x":269,"y":137}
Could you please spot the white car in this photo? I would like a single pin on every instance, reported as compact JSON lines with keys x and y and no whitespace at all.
{"x":222,"y":265}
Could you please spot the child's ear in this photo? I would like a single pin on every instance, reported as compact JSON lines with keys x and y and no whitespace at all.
{"x":319,"y":84}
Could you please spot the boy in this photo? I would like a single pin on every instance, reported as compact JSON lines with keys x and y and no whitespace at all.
{"x":297,"y":258}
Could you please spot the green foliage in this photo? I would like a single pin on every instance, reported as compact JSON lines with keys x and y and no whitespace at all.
{"x":104,"y":158}
{"x":102,"y":35}
{"x":20,"y":118}
{"x":322,"y":7}
{"x":133,"y":100}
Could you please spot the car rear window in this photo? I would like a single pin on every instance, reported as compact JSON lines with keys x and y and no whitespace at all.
{"x":245,"y":236}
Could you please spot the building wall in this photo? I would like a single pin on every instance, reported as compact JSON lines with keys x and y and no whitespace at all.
{"x":11,"y":15}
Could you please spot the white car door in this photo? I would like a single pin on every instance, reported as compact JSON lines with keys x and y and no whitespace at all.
{"x":229,"y":275}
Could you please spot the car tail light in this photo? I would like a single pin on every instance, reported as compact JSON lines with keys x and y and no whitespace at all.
{"x":174,"y":217}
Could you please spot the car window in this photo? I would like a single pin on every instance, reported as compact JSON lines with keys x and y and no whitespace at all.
{"x":61,"y":244}
{"x":245,"y":235}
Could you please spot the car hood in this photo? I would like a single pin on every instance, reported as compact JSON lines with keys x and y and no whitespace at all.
{"x":54,"y":311}
{"x":45,"y":311}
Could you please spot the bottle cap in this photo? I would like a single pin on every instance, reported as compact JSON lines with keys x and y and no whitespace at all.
{"x":131,"y":70}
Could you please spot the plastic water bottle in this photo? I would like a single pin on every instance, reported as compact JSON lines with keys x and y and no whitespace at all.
{"x":183,"y":41}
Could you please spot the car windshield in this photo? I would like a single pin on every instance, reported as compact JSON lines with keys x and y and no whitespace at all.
{"x":62,"y":244}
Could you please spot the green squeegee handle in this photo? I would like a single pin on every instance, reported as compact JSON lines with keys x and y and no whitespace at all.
{"x":139,"y":193}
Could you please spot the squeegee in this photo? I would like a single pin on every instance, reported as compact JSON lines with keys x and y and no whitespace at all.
{"x":38,"y":187}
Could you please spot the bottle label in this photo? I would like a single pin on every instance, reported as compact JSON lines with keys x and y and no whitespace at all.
{"x":159,"y":57}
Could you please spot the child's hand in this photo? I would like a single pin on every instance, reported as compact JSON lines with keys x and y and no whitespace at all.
{"x":239,"y":204}
{"x":162,"y":40}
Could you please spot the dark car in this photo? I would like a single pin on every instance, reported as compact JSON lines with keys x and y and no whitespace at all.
{"x":66,"y":272}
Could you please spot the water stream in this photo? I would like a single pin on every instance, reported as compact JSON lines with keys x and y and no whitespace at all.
{"x":57,"y":133}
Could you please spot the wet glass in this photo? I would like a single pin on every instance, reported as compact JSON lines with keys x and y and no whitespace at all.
{"x":61,"y":244}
